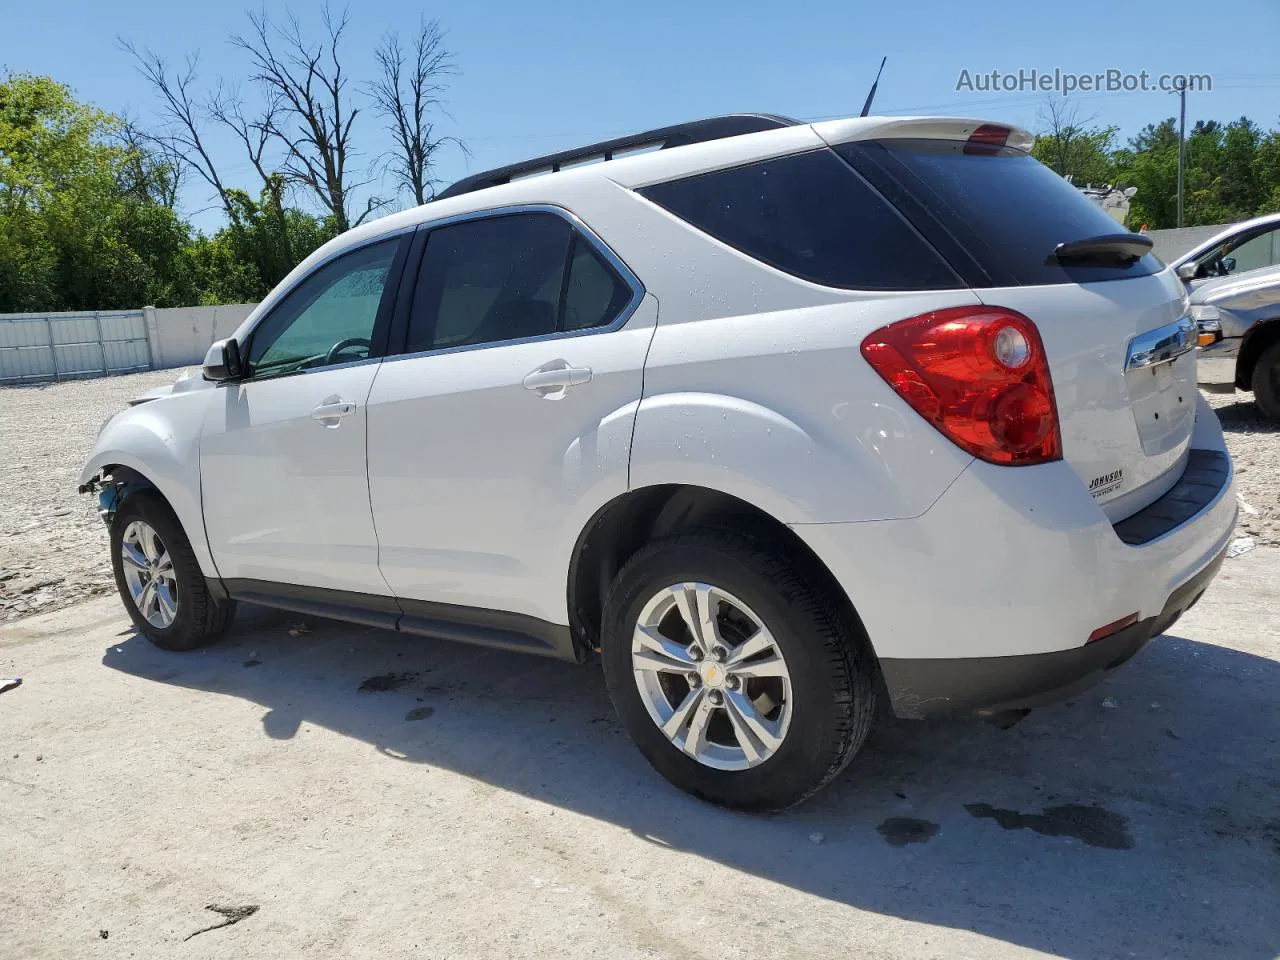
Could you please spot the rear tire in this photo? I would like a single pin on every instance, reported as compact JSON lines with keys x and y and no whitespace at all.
{"x":162,"y":587}
{"x":1266,"y":382}
{"x":819,"y":647}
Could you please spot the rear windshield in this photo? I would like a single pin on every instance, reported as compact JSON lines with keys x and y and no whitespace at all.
{"x":811,"y":216}
{"x":1002,"y":209}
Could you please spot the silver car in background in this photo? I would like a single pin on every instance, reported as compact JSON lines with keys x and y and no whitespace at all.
{"x":1234,"y":283}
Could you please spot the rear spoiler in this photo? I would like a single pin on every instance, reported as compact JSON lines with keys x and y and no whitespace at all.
{"x":987,"y":132}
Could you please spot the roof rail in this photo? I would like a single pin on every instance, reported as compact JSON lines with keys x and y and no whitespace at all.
{"x":677,"y":135}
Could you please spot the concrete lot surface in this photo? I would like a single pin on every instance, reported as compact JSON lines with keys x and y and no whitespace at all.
{"x":468,"y":803}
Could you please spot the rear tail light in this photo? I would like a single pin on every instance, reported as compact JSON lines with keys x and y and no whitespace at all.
{"x":979,"y":375}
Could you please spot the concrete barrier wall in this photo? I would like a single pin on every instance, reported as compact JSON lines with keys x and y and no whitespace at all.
{"x":180,"y":336}
{"x":1175,"y":241}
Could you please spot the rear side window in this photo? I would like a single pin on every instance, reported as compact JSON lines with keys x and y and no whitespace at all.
{"x":1004,"y":209}
{"x":510,"y":278}
{"x":594,"y":294}
{"x":811,"y":216}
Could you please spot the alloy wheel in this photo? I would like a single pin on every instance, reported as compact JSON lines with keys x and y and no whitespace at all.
{"x":149,"y":574}
{"x":712,"y":676}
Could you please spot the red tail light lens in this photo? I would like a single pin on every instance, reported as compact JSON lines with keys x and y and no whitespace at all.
{"x":979,"y":375}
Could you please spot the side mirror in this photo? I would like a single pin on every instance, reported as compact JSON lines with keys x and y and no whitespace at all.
{"x":1187,"y":271}
{"x":222,"y":362}
{"x":1229,"y":264}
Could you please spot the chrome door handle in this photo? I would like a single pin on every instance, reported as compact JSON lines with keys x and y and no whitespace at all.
{"x":553,"y":379}
{"x":334,"y":411}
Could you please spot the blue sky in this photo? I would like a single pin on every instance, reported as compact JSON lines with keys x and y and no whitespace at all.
{"x":538,"y":77}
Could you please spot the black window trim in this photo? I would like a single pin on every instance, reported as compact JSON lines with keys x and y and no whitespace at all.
{"x":382,"y":323}
{"x":399,"y":334}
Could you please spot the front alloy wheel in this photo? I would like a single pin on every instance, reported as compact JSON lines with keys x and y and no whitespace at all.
{"x":149,"y":574}
{"x":159,"y":579}
{"x":711,"y":676}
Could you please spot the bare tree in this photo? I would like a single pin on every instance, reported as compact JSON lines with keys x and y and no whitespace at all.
{"x":313,"y":115}
{"x":1066,"y":128}
{"x":407,"y":95}
{"x":256,"y":136}
{"x":153,"y":169}
{"x":183,"y":118}
{"x":1073,"y":145}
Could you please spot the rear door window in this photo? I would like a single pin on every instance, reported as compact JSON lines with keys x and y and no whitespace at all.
{"x":808,"y":215}
{"x":1000,"y":207}
{"x":510,"y":277}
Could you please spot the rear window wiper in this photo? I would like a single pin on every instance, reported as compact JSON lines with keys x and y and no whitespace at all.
{"x":1112,"y":249}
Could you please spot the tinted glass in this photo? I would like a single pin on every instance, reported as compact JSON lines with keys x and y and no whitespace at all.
{"x":811,"y":216}
{"x":490,"y":280}
{"x":1005,"y":209}
{"x":595,"y":295}
{"x":337,"y":303}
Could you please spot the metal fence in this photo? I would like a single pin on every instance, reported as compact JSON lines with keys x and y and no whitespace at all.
{"x":62,"y":346}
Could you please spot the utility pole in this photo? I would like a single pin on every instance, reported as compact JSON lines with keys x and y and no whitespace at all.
{"x":1182,"y":143}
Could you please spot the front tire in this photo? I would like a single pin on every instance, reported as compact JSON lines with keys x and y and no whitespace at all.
{"x":1266,"y":382}
{"x":159,"y":578}
{"x":733,"y":671}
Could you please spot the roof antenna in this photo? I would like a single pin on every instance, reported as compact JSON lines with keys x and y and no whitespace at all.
{"x":866,"y":107}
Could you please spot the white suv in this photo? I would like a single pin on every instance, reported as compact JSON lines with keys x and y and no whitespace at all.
{"x":779,"y":418}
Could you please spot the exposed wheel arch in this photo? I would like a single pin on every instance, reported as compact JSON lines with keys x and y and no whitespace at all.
{"x":628,"y":522}
{"x":1259,"y":337}
{"x":124,"y":483}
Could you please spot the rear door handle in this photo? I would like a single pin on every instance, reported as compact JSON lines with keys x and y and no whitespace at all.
{"x":551,"y":380}
{"x":330,"y":413}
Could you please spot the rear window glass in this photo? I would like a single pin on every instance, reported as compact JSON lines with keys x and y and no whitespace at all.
{"x":811,"y":216}
{"x":1004,"y":208}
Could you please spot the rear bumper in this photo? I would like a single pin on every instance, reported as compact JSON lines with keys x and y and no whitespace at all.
{"x":927,"y":688}
{"x":1014,"y":564}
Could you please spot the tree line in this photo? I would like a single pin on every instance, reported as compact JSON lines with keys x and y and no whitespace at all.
{"x":1232,"y":169}
{"x":90,"y":214}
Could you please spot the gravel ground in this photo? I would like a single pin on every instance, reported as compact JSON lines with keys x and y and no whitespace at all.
{"x":357,"y":793}
{"x":1255,"y":447}
{"x":53,"y":547}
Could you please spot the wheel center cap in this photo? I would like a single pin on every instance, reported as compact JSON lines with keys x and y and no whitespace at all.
{"x":713,"y":674}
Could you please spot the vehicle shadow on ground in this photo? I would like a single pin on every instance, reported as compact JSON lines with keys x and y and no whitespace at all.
{"x":1244,"y":417}
{"x":1135,"y":821}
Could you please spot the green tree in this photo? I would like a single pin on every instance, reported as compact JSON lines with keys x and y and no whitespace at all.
{"x":88,"y":218}
{"x":1073,"y":146}
{"x":244,"y":260}
{"x":75,"y":232}
{"x":1150,"y":163}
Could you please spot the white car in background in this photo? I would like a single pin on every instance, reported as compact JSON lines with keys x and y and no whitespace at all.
{"x":775,"y":416}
